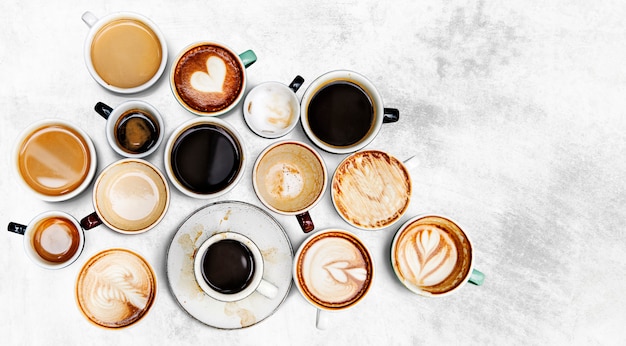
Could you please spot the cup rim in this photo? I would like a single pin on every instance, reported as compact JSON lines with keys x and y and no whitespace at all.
{"x":401,"y":230}
{"x":167,"y":159}
{"x":118,"y":111}
{"x":195,"y":44}
{"x":49,"y":122}
{"x":277,"y":134}
{"x":275,"y":145}
{"x":100,"y":22}
{"x":120,"y":162}
{"x":364,"y":83}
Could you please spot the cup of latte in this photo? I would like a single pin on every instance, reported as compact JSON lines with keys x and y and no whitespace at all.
{"x":432,"y":256}
{"x":333,"y":270}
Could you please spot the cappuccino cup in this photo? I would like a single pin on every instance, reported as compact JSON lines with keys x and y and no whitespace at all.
{"x":54,"y":159}
{"x":272,"y":109}
{"x":124,"y":52}
{"x":133,"y":129}
{"x":205,"y":157}
{"x":229,"y":267}
{"x":52,"y":240}
{"x":341,"y":112}
{"x":208,"y":78}
{"x":333,"y":271}
{"x":432,"y":256}
{"x":130,"y":196}
{"x":289,"y":178}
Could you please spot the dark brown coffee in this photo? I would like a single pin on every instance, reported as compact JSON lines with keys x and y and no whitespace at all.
{"x":340,"y":114}
{"x":228,"y":266}
{"x":56,"y":239}
{"x":136,"y":131}
{"x":206,"y":158}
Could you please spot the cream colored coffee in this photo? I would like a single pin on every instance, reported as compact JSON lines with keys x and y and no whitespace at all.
{"x":371,"y":189}
{"x":115,"y":288}
{"x":131,"y":196}
{"x":334,"y":270}
{"x":271,"y":108}
{"x":289,"y":177}
{"x":432,"y":254}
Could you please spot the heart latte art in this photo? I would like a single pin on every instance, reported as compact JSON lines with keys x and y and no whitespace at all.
{"x":213,"y":79}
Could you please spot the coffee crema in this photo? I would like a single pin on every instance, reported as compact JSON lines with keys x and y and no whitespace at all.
{"x":334,"y":270}
{"x":136,"y":131}
{"x":371,"y":189}
{"x":126,"y":53}
{"x":208,"y":78}
{"x":56,"y":239}
{"x":115,"y":288}
{"x":54,"y":160}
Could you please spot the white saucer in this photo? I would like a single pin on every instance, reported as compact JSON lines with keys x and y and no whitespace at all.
{"x":243,"y":218}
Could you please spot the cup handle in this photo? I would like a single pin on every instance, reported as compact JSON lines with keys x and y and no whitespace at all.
{"x":391,"y":115}
{"x":321,"y":319}
{"x":89,"y":18}
{"x":305,"y":222}
{"x":248,"y":58}
{"x":296,"y":83}
{"x":90,"y":221}
{"x":16,"y":228}
{"x":103,"y":110}
{"x":267,"y":289}
{"x":477,"y":277}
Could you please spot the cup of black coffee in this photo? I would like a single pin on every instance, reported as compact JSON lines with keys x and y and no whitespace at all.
{"x":205,"y":157}
{"x":341,"y":112}
{"x":229,"y":267}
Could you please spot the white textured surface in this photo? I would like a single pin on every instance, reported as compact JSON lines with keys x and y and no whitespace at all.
{"x":515,"y":113}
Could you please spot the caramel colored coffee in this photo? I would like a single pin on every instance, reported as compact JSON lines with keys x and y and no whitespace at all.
{"x":334,"y":270}
{"x":54,"y":160}
{"x":432,"y":254}
{"x":208,"y":78}
{"x":126,"y":53}
{"x":371,"y":189}
{"x":115,"y":288}
{"x":56,"y":239}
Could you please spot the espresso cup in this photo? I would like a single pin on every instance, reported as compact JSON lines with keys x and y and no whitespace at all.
{"x":208,"y":78}
{"x":272,"y":109}
{"x":54,"y":159}
{"x":124,"y":52}
{"x":53,"y":239}
{"x":333,"y":270}
{"x":133,"y":129}
{"x":341,"y":112}
{"x":289,"y":178}
{"x":229,"y":267}
{"x":432,"y":256}
{"x":205,"y":157}
{"x":130,"y":196}
{"x":115,"y":288}
{"x":371,"y":189}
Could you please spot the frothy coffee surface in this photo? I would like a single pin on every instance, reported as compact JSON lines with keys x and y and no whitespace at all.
{"x":208,"y":78}
{"x":289,"y":177}
{"x":371,"y":189}
{"x":271,"y":109}
{"x":334,"y":270}
{"x":432,"y":255}
{"x":115,"y":288}
{"x":54,"y":160}
{"x":131,"y":196}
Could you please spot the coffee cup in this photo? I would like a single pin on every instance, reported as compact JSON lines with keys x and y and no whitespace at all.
{"x":290,"y":178}
{"x":209,"y":79}
{"x":53,"y":239}
{"x":272,"y":109}
{"x":432,"y":256}
{"x":115,"y":288}
{"x":341,"y":112}
{"x":333,"y":271}
{"x":229,"y":267}
{"x":371,"y":189}
{"x":130,"y":196}
{"x":205,"y":157}
{"x":133,"y":129}
{"x":124,"y":52}
{"x":54,"y":159}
